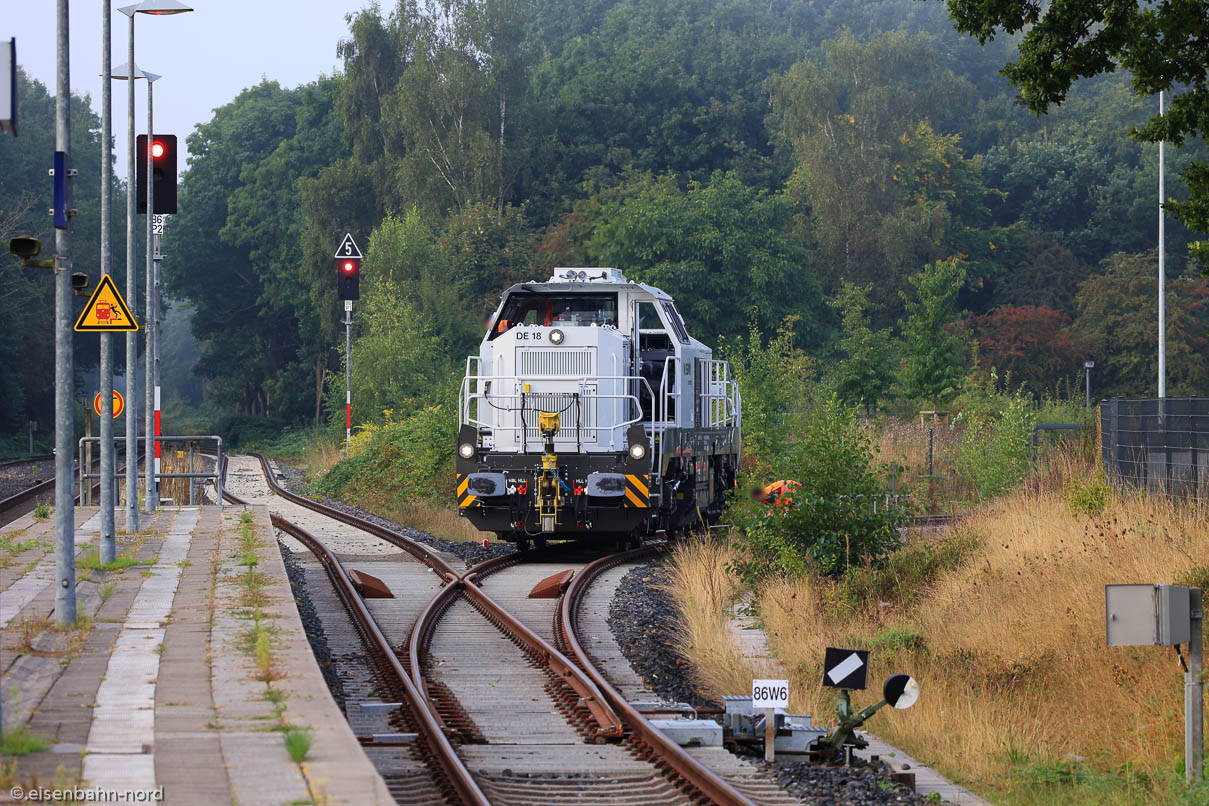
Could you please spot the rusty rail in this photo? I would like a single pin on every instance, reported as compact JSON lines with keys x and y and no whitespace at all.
{"x":450,"y":770}
{"x":645,"y":737}
{"x":415,"y":548}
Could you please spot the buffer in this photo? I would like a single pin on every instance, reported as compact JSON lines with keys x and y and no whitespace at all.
{"x":106,"y":311}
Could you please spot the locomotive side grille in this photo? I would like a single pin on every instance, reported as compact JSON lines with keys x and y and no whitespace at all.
{"x":555,"y":363}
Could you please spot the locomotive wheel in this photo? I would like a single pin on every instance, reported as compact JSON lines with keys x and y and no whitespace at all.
{"x":522,"y":544}
{"x":539,"y":543}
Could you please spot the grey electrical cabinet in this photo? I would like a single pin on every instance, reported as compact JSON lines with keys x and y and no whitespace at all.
{"x":1145,"y":615}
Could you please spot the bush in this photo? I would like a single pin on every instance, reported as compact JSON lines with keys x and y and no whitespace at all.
{"x":830,"y":522}
{"x":997,"y":448}
{"x":1087,"y":496}
{"x":404,"y":460}
{"x":772,"y":379}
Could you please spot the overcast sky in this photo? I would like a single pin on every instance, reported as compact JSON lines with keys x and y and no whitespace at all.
{"x":205,"y":57}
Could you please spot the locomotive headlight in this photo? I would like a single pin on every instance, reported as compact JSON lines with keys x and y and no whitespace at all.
{"x":637,"y":451}
{"x":556,"y":336}
{"x":466,"y":450}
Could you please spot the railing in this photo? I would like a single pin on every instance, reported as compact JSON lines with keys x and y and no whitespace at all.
{"x":477,"y":392}
{"x":721,"y":403}
{"x":193,"y":454}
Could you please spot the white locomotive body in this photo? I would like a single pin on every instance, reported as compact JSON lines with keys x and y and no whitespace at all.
{"x":590,"y":412}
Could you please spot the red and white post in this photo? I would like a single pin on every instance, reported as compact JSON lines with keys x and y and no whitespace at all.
{"x":348,"y":366}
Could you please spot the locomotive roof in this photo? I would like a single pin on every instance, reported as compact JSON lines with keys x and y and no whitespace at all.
{"x":596,"y":279}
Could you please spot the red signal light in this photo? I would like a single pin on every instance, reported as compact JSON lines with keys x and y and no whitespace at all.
{"x":348,"y":266}
{"x":157,"y":149}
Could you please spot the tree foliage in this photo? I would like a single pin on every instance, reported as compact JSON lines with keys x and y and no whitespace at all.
{"x":1161,"y":45}
{"x":933,"y":366}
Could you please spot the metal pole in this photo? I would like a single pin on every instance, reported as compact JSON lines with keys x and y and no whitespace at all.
{"x":348,"y":374}
{"x":132,"y":299}
{"x":65,"y":515}
{"x":1194,"y":694}
{"x":1162,"y":275}
{"x":106,"y":550}
{"x":150,"y":495}
{"x":155,"y":359}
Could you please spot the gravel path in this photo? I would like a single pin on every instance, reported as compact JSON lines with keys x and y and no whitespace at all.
{"x":645,"y":620}
{"x":469,"y":553}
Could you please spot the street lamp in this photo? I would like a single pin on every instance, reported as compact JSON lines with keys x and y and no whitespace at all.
{"x":1087,"y":365}
{"x":155,"y":8}
{"x":123,"y":72}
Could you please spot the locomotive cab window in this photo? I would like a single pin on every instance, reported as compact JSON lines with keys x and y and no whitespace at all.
{"x":561,"y":310}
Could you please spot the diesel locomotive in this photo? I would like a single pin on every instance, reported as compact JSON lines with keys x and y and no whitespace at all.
{"x":591,"y":414}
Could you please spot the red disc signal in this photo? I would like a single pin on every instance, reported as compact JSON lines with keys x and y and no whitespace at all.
{"x":157,"y":149}
{"x":348,"y":266}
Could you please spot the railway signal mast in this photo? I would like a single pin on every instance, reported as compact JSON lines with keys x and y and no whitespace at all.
{"x":348,"y":287}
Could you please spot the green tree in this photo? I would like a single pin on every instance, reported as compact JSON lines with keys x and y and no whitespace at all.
{"x":866,"y":372}
{"x":395,"y":357}
{"x":933,"y":366}
{"x":774,"y":380}
{"x":27,"y":295}
{"x":1117,"y":320}
{"x":879,"y":171}
{"x":1161,"y":45}
{"x":244,"y":344}
{"x":721,"y":248}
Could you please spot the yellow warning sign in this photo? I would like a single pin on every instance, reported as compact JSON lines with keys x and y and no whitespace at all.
{"x":106,"y":311}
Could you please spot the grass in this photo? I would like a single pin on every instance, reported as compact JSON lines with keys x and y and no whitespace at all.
{"x":298,"y":743}
{"x":90,"y":560}
{"x":42,"y":511}
{"x":1002,"y":622}
{"x":19,"y":741}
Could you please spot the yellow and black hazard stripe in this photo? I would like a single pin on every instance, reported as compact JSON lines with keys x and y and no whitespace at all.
{"x":637,"y":490}
{"x":465,"y":497}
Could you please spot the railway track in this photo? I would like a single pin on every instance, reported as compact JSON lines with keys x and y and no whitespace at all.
{"x":498,"y":701}
{"x":19,"y":502}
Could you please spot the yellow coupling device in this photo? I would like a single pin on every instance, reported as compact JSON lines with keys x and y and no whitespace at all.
{"x":549,"y":493}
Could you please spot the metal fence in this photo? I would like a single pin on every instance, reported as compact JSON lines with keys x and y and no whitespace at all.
{"x":182,"y":470}
{"x":1158,"y":444}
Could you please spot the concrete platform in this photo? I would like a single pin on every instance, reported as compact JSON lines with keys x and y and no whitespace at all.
{"x":184,"y":673}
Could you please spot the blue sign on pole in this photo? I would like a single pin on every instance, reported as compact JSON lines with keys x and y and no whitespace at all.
{"x":62,"y":189}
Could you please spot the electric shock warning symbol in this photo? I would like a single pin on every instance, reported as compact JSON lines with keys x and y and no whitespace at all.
{"x":106,"y":311}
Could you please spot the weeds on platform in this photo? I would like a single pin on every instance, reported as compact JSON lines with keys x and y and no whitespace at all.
{"x":298,"y":743}
{"x":42,"y":511}
{"x":91,"y":561}
{"x":19,"y":741}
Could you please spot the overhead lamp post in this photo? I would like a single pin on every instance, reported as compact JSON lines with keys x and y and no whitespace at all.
{"x":124,"y":72}
{"x":1087,"y":365}
{"x":155,"y":8}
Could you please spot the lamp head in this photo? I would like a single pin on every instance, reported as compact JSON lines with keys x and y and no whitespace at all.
{"x":161,"y":8}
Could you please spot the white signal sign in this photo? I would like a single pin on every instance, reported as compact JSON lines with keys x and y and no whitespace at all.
{"x":769,"y":694}
{"x":348,"y":247}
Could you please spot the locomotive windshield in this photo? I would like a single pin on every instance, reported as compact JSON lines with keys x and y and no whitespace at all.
{"x":569,"y":310}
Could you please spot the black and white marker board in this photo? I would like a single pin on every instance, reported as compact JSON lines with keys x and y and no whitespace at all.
{"x":846,"y":668}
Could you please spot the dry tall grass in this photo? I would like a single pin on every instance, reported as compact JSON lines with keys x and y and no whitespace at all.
{"x":1021,"y":698}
